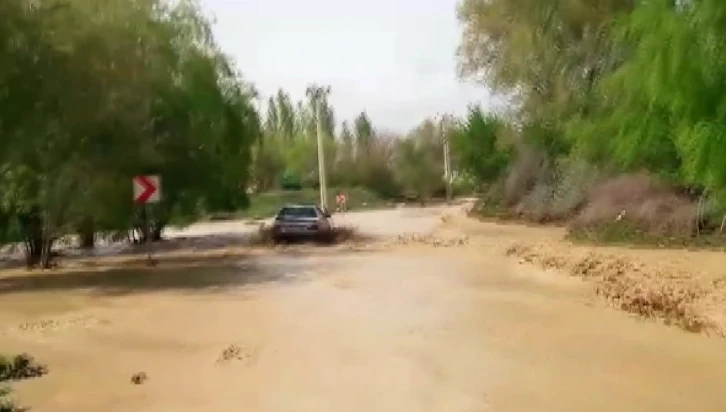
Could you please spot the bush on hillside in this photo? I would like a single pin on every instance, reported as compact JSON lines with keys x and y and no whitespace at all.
{"x":624,"y":207}
{"x":559,"y":193}
{"x":540,"y":191}
{"x":637,"y":205}
{"x":528,"y":168}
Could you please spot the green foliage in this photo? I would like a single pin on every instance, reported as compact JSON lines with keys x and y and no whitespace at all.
{"x":95,"y":93}
{"x":619,"y":84}
{"x":674,"y":77}
{"x":355,"y":156}
{"x":418,"y":161}
{"x":548,"y":54}
{"x":290,"y":182}
{"x":477,"y":146}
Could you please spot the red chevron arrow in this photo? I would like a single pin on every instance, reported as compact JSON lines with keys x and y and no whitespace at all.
{"x":144,"y":188}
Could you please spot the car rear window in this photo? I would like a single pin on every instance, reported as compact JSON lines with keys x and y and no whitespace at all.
{"x":293,"y":212}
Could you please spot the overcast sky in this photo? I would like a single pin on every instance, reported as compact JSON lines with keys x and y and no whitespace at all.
{"x":393,"y":58}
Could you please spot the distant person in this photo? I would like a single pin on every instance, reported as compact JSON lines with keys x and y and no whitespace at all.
{"x":341,"y":201}
{"x":338,"y":202}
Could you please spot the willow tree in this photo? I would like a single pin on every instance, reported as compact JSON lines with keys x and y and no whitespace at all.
{"x":547,"y":54}
{"x":93,"y":93}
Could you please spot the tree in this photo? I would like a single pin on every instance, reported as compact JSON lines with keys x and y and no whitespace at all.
{"x":364,"y":134}
{"x":318,"y":98}
{"x":345,"y":161}
{"x":418,"y":161}
{"x":476,"y":144}
{"x":663,"y":107}
{"x":286,"y":114}
{"x":548,"y":54}
{"x":93,"y":94}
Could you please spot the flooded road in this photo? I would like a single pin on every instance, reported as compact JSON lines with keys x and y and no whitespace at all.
{"x":406,"y":329}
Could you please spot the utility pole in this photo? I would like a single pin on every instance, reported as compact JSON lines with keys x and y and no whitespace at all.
{"x":447,"y":160}
{"x":321,"y":155}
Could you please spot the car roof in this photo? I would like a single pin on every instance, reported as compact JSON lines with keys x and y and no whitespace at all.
{"x":298,"y":206}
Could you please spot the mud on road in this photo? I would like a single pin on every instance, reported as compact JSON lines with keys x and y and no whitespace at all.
{"x":680,"y":288}
{"x":444,"y":322}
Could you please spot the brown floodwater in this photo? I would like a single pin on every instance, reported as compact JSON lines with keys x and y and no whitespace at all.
{"x":419,"y":329}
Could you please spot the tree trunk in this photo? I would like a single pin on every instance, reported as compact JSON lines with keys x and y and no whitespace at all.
{"x":38,"y":249}
{"x":86,"y":234}
{"x":46,"y":255}
{"x":698,"y":215}
{"x":155,"y":232}
{"x":31,"y":226}
{"x":143,"y":226}
{"x":33,"y":251}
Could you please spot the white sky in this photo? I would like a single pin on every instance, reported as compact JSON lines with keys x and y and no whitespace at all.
{"x":393,"y":58}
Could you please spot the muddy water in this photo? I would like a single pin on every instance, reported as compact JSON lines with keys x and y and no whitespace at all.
{"x":415,"y":330}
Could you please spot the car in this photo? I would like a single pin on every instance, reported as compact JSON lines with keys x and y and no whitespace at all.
{"x":302,"y":222}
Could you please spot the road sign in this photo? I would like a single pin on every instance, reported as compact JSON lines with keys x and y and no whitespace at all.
{"x":147,"y":189}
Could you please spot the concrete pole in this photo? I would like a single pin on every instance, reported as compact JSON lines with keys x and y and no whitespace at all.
{"x":447,"y":170}
{"x":447,"y":161}
{"x":321,"y":156}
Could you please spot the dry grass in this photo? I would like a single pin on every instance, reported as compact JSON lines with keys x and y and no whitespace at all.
{"x":635,"y":208}
{"x":524,"y":173}
{"x":541,"y":191}
{"x":647,"y":207}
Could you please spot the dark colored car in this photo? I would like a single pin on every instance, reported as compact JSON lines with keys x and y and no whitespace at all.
{"x":300,"y":222}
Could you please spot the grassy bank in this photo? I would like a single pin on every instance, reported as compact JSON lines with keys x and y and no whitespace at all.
{"x":612,"y":233}
{"x":626,"y":234}
{"x":631,"y":210}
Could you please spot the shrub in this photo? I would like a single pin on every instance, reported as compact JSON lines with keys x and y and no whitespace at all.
{"x":555,"y":192}
{"x":526,"y":170}
{"x":20,"y":367}
{"x":7,"y":403}
{"x":640,"y":204}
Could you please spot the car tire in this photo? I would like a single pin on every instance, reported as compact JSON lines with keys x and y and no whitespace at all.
{"x":327,"y":237}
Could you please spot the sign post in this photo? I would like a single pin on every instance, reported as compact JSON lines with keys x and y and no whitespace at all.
{"x":147,"y":189}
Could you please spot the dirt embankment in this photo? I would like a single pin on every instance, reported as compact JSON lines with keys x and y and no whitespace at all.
{"x":681,"y":288}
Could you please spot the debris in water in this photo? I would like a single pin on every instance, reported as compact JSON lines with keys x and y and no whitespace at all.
{"x":236,"y":352}
{"x":139,"y":378}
